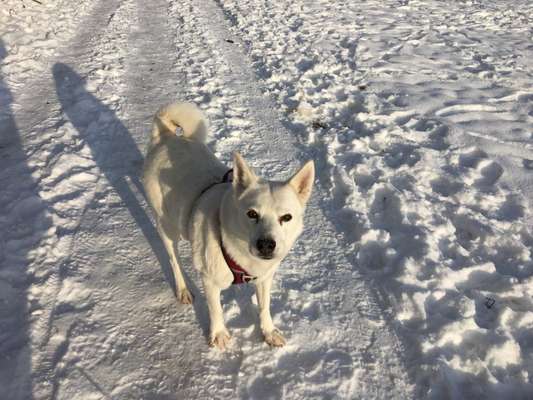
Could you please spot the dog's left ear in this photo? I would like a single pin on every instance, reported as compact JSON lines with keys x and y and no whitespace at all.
{"x":302,"y":181}
{"x":243,"y":176}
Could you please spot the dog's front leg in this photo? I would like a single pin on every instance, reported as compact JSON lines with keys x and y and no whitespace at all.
{"x":272,"y":336}
{"x":219,"y":335}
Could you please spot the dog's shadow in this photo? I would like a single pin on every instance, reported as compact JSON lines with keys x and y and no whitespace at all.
{"x":119,"y":159}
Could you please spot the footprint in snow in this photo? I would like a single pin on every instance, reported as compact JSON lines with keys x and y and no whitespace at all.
{"x":436,"y":132}
{"x":320,"y":366}
{"x":446,"y":186}
{"x":471,"y":158}
{"x":490,"y":172}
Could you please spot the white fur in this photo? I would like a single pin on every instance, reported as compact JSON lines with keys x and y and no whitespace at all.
{"x":176,"y":171}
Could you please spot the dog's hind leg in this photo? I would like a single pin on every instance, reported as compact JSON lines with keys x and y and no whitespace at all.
{"x":183,"y":294}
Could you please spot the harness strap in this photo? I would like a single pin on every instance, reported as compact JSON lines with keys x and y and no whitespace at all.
{"x":239,"y":274}
{"x":226,"y":178}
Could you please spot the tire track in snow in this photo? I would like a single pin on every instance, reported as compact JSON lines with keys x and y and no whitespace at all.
{"x":107,"y":268}
{"x":165,"y":353}
{"x":66,"y":176}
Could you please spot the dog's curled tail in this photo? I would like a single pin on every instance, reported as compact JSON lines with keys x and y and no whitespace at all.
{"x":187,"y":116}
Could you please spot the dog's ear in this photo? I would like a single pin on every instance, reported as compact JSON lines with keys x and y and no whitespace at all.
{"x":302,"y":181}
{"x":243,"y":176}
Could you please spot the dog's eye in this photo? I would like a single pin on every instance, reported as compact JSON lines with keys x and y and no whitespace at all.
{"x":285,"y":218}
{"x":252,"y":214}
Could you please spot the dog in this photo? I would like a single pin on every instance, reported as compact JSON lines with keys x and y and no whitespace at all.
{"x":240,"y":229}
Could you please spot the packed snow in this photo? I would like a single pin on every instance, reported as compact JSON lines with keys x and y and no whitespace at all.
{"x":414,"y":275}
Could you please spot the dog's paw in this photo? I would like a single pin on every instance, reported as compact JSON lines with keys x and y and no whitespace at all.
{"x":185,"y":296}
{"x":275,"y":338}
{"x":220,"y":339}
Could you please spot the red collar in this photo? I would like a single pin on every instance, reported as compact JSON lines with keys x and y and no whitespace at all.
{"x":239,"y":274}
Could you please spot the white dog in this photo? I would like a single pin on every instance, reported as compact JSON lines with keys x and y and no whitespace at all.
{"x":239,"y":231}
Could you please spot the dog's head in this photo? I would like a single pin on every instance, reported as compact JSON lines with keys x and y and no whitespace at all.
{"x":269,"y":214}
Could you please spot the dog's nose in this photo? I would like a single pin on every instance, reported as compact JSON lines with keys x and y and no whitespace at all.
{"x":266,"y":247}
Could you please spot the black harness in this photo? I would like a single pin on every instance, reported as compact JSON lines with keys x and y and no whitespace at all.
{"x":228,"y":177}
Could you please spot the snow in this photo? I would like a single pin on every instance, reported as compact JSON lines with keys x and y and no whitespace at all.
{"x":414,"y":276}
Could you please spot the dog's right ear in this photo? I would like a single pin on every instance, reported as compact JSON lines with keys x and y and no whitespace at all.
{"x":302,"y":181}
{"x":243,"y":176}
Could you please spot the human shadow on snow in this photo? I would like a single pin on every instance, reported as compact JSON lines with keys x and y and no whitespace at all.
{"x":118,"y":158}
{"x":19,"y":197}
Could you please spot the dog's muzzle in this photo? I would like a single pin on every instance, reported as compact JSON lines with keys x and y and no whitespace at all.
{"x":266,"y":247}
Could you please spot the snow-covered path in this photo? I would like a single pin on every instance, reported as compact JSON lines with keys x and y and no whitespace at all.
{"x":103,"y":320}
{"x":419,"y":119}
